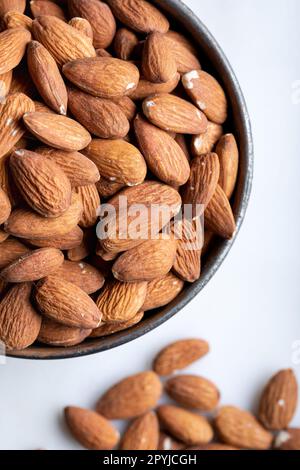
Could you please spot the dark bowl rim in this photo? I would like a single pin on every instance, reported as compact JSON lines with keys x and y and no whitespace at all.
{"x":168,"y":312}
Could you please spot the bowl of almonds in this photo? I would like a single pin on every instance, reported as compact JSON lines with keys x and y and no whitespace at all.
{"x":125,"y":170}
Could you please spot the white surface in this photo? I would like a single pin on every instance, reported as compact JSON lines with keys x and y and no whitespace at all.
{"x":250,"y":310}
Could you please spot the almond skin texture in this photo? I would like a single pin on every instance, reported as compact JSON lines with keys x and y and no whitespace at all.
{"x":174,"y":114}
{"x":42,"y":183}
{"x":13,"y":43}
{"x":11,"y":249}
{"x":240,"y":429}
{"x":139,"y":15}
{"x":11,"y":124}
{"x":288,"y":440}
{"x":146,"y":88}
{"x":33,"y":265}
{"x":205,"y":143}
{"x":158,"y":65}
{"x":14,"y":19}
{"x":111,"y":122}
{"x":164,"y":157}
{"x":66,"y":242}
{"x":119,"y":301}
{"x":81,"y":171}
{"x":66,"y":303}
{"x":105,"y":77}
{"x":207,"y":94}
{"x":185,"y":426}
{"x":142,"y":434}
{"x":19,"y":322}
{"x":57,"y":131}
{"x":45,"y":7}
{"x":179,"y":355}
{"x":279,"y":401}
{"x":15,"y":5}
{"x":91,"y":205}
{"x":108,"y":188}
{"x":219,"y":218}
{"x":5,"y":83}
{"x":187,"y":264}
{"x":107,"y":329}
{"x":202,"y":184}
{"x":125,"y":43}
{"x":62,"y":41}
{"x":83,"y":26}
{"x":46,"y":77}
{"x":5,"y":206}
{"x":118,"y":161}
{"x":93,"y":431}
{"x":58,"y":335}
{"x":83,"y":275}
{"x":183,"y":51}
{"x":24,"y":223}
{"x":193,"y":392}
{"x":146,"y":262}
{"x":99,"y":16}
{"x":131,"y":397}
{"x":228,"y":154}
{"x":162,"y":291}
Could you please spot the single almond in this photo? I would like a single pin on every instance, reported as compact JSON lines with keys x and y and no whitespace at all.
{"x":91,"y":205}
{"x":5,"y":206}
{"x":162,"y":291}
{"x":83,"y":275}
{"x":83,"y":26}
{"x":65,"y":242}
{"x":219,"y":218}
{"x":45,"y":7}
{"x":187,"y":264}
{"x":13,"y":44}
{"x":56,"y":334}
{"x":171,"y":113}
{"x":15,"y":19}
{"x":205,"y":143}
{"x":184,"y":52}
{"x":11,"y":249}
{"x":146,"y":88}
{"x":158,"y":64}
{"x":228,"y":154}
{"x":131,"y":397}
{"x":108,"y":188}
{"x":15,"y":5}
{"x":193,"y":392}
{"x":288,"y":440}
{"x":142,"y":434}
{"x":124,"y":43}
{"x":107,"y":329}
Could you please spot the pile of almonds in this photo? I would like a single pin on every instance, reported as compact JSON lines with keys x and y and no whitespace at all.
{"x":181,"y":426}
{"x":101,"y":100}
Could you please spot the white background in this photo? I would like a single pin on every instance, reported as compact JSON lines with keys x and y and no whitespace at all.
{"x":250,"y":311}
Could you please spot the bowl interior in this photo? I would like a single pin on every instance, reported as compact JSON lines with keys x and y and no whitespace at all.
{"x":213,"y":60}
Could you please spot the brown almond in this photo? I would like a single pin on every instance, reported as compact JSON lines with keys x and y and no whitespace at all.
{"x":19,"y":322}
{"x":171,"y":113}
{"x":42,"y":183}
{"x":15,"y":5}
{"x":108,"y":188}
{"x":179,"y":355}
{"x":205,"y":143}
{"x":91,"y":205}
{"x":45,"y":7}
{"x":124,"y":43}
{"x":13,"y":44}
{"x":127,"y":106}
{"x":207,"y":94}
{"x":56,"y":334}
{"x":83,"y":275}
{"x":142,"y":434}
{"x":187,"y":264}
{"x":120,"y":301}
{"x":194,"y":392}
{"x":190,"y":428}
{"x":288,"y":440}
{"x":228,"y":154}
{"x":93,"y":431}
{"x":219,"y":218}
{"x":184,"y":52}
{"x":99,"y":16}
{"x":166,"y":442}
{"x":279,"y":401}
{"x":83,"y":26}
{"x":158,"y":63}
{"x":57,"y":131}
{"x":111,"y":122}
{"x":131,"y":397}
{"x":11,"y":249}
{"x":5,"y":83}
{"x":65,"y":242}
{"x":62,"y":41}
{"x":66,"y":303}
{"x":5,"y":206}
{"x":240,"y":429}
{"x":162,"y":291}
{"x":146,"y":88}
{"x":105,"y":77}
{"x":107,"y":329}
{"x":15,"y":19}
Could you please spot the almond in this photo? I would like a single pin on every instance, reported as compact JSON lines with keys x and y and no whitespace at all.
{"x":119,"y":301}
{"x":184,"y":52}
{"x":33,"y":266}
{"x":83,"y":26}
{"x":15,"y":5}
{"x":131,"y":397}
{"x":146,"y":88}
{"x":80,"y":170}
{"x":139,"y":15}
{"x":15,"y":19}
{"x":105,"y":77}
{"x":58,"y":335}
{"x":11,"y":125}
{"x":179,"y":355}
{"x":57,"y":131}
{"x":90,"y":429}
{"x":207,"y":94}
{"x":158,"y":64}
{"x":162,"y":291}
{"x":42,"y":183}
{"x":219,"y":218}
{"x":167,"y":442}
{"x":146,"y":262}
{"x":164,"y":156}
{"x":5,"y":83}
{"x":124,"y":43}
{"x":279,"y":401}
{"x":62,"y":41}
{"x":187,"y":264}
{"x":65,"y":242}
{"x":24,"y":223}
{"x":174,"y":114}
{"x":127,"y":106}
{"x":288,"y":440}
{"x":107,"y":329}
{"x":83,"y":275}
{"x":111,"y":121}
{"x":240,"y":429}
{"x":228,"y":154}
{"x":193,"y":392}
{"x":205,"y":143}
{"x":91,"y":205}
{"x":46,"y":77}
{"x":19,"y":322}
{"x":182,"y":142}
{"x":142,"y":434}
{"x":11,"y":249}
{"x":202,"y":184}
{"x":99,"y":16}
{"x":44,"y":7}
{"x":5,"y":206}
{"x":185,"y":426}
{"x":108,"y":188}
{"x":13,"y":43}
{"x":118,"y":161}
{"x":66,"y":303}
